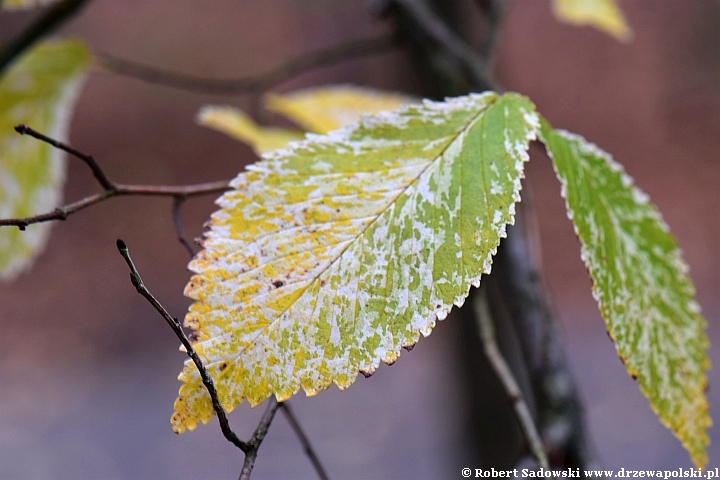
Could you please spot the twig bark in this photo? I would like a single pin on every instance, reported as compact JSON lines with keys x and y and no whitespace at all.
{"x":97,"y":172}
{"x":111,"y":189}
{"x":207,"y":380}
{"x":329,"y":56}
{"x":55,"y":16}
{"x":249,"y":448}
{"x":257,"y":438}
{"x":177,"y":219}
{"x":305,"y":441}
{"x":506,"y":377}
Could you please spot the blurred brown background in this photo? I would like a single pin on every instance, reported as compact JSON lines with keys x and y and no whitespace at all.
{"x":88,"y":370}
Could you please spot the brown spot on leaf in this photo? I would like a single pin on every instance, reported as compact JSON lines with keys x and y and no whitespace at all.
{"x":366,"y":374}
{"x":278,"y":283}
{"x":223,"y":366}
{"x":409,"y":347}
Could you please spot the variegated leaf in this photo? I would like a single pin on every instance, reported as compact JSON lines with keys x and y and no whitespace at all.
{"x":329,"y":257}
{"x":38,"y":90}
{"x":640,"y":283}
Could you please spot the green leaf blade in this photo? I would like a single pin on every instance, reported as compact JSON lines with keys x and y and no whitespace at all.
{"x":331,"y":256}
{"x":39,"y":91}
{"x":640,"y":283}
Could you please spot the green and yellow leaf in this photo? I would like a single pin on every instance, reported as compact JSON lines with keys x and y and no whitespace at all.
{"x":239,"y":125}
{"x":329,"y":257}
{"x":641,"y":284}
{"x":320,"y":110}
{"x":39,"y":91}
{"x":605,"y":15}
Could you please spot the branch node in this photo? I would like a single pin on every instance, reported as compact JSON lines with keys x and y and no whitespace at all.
{"x":61,"y":213}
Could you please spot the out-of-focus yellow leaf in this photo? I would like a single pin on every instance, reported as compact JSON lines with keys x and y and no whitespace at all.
{"x":39,"y":91}
{"x":18,"y":4}
{"x":320,"y":110}
{"x":605,"y":15}
{"x":239,"y":125}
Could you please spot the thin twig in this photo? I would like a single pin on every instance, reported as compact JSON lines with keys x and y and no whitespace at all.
{"x":55,"y":16}
{"x":329,"y":56}
{"x":505,"y":375}
{"x":112,"y":189}
{"x":175,"y":325}
{"x":99,"y":175}
{"x":305,"y":441}
{"x":177,"y":218}
{"x":257,"y":438}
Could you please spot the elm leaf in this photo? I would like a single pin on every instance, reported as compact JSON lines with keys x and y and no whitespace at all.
{"x":330,"y":256}
{"x":605,"y":15}
{"x":640,"y":283}
{"x":322,"y":109}
{"x":38,"y":90}
{"x":239,"y":125}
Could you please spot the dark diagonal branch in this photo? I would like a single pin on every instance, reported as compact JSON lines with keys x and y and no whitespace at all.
{"x":446,"y":61}
{"x":88,"y":159}
{"x":305,"y":441}
{"x":174,"y":323}
{"x":55,"y":16}
{"x":332,"y":55}
{"x":249,"y":448}
{"x":111,"y":189}
{"x":177,"y":219}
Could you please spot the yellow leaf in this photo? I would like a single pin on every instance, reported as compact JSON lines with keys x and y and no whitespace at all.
{"x":605,"y":15}
{"x":320,"y":110}
{"x":37,"y":90}
{"x":239,"y":125}
{"x":24,"y":4}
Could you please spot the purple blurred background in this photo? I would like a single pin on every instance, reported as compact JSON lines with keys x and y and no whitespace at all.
{"x":88,"y":370}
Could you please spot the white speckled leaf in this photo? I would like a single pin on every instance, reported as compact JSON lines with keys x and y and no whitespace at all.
{"x":605,"y":15}
{"x":39,"y":91}
{"x":641,"y":284}
{"x":332,"y":255}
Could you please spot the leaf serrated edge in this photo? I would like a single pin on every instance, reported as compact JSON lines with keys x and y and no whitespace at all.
{"x":676,"y":427}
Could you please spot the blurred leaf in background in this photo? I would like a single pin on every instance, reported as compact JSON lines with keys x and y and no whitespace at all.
{"x":38,"y":90}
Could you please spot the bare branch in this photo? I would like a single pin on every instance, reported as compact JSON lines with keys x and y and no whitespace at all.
{"x":307,"y":446}
{"x":112,"y":189}
{"x":100,"y":176}
{"x":174,"y":323}
{"x":54,"y":17}
{"x":177,"y":218}
{"x":337,"y":53}
{"x":505,"y":375}
{"x":257,"y":438}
